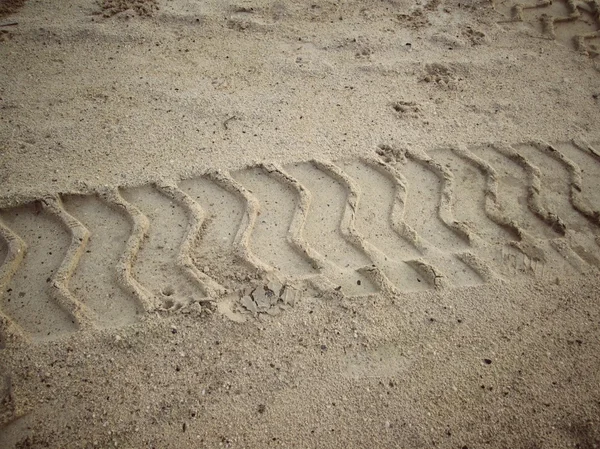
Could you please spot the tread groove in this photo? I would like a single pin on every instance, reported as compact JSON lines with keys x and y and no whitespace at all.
{"x":59,"y":285}
{"x":393,"y":222}
{"x":242,"y":238}
{"x":15,"y":251}
{"x":348,"y":226}
{"x":432,"y":273}
{"x":527,"y":243}
{"x":139,"y":231}
{"x":534,"y":185}
{"x":196,"y":219}
{"x":295,"y":236}
{"x":575,"y":182}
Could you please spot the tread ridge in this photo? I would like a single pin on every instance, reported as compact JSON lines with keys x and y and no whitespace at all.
{"x":481,"y":267}
{"x":582,"y":145}
{"x":549,"y":21}
{"x":534,"y":187}
{"x":399,"y":226}
{"x":575,"y":181}
{"x":517,"y":10}
{"x":139,"y":231}
{"x":295,"y":237}
{"x":446,"y":214}
{"x":432,"y":273}
{"x":562,"y":247}
{"x":194,"y":231}
{"x":59,"y":285}
{"x":242,"y":238}
{"x":527,"y":243}
{"x":16,"y":250}
{"x":296,"y":229}
{"x":491,"y":206}
{"x":348,"y":226}
{"x":582,"y":47}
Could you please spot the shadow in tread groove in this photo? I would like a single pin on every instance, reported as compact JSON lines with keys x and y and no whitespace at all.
{"x":156,"y":266}
{"x":26,"y":299}
{"x":95,"y":279}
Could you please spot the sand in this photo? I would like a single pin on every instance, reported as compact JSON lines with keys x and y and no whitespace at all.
{"x":299,"y":224}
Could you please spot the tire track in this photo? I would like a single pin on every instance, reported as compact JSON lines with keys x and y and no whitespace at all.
{"x":59,"y":282}
{"x":576,"y":196}
{"x":215,"y":251}
{"x":587,"y":158}
{"x":534,"y":187}
{"x":434,"y":259}
{"x":479,"y":212}
{"x":241,"y":242}
{"x":446,"y":215}
{"x":351,"y":234}
{"x":27,"y":297}
{"x":398,"y":222}
{"x":196,"y":220}
{"x":12,"y":254}
{"x":571,"y":22}
{"x":499,"y":239}
{"x":385,"y":247}
{"x":529,"y":246}
{"x":269,"y":238}
{"x":139,"y":231}
{"x":429,"y":212}
{"x":95,"y":281}
{"x":329,"y":276}
{"x":547,"y":224}
{"x":159,"y":266}
{"x":327,"y":228}
{"x":558,"y":194}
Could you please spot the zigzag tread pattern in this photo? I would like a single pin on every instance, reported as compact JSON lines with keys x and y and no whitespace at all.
{"x":576,"y":23}
{"x":256,"y":240}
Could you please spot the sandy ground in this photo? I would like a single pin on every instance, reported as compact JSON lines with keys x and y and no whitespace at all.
{"x":295,"y":319}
